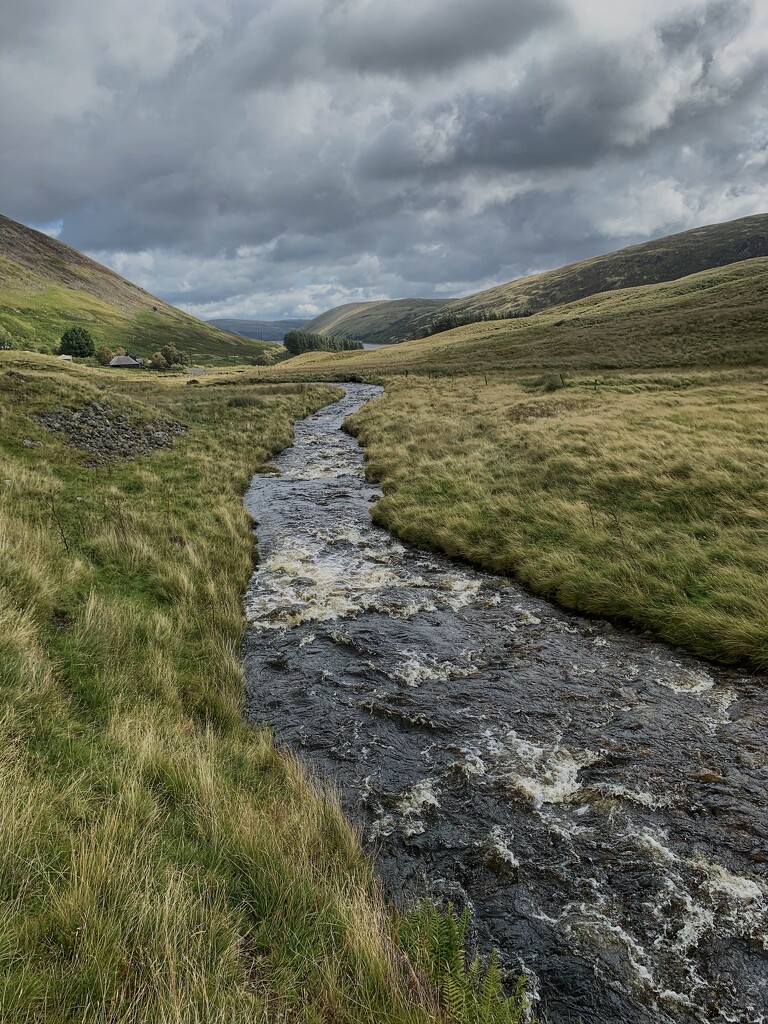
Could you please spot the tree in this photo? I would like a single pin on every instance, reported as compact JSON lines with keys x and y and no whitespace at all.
{"x":76,"y":341}
{"x":104,"y":355}
{"x":174,"y":356}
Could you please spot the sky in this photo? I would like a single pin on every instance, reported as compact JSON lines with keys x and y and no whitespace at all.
{"x":271,"y":158}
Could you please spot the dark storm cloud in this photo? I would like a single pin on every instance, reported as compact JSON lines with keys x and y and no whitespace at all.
{"x":402,"y":36}
{"x":279,"y":157}
{"x":580,"y":106}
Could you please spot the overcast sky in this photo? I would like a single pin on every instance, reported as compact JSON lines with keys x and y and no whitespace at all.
{"x":266,"y":158}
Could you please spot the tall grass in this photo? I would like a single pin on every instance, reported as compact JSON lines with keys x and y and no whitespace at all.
{"x":160,"y":861}
{"x":639,"y":496}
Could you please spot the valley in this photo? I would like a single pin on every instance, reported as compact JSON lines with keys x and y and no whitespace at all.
{"x":458,"y":681}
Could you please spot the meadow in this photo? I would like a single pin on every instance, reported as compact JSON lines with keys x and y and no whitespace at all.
{"x":636,"y":495}
{"x":161,"y":861}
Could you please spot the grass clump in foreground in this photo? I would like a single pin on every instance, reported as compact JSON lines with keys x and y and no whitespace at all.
{"x":159,"y":860}
{"x":640,"y":496}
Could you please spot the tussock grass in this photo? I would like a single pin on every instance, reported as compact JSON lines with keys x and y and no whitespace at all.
{"x":638,"y":496}
{"x":160,"y":861}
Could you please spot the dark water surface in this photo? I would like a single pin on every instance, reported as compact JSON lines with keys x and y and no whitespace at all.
{"x":596,"y":799}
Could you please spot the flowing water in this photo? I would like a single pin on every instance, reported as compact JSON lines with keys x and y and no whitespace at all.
{"x":596,"y":799}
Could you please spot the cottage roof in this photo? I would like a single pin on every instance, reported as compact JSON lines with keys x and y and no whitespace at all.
{"x":126,"y":360}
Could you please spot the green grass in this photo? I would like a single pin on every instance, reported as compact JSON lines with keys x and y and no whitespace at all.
{"x":46,"y":286}
{"x":37,"y":319}
{"x":638,"y":496}
{"x":160,"y":861}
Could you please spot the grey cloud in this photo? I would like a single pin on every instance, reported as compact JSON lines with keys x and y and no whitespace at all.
{"x":258,"y":168}
{"x":706,"y":28}
{"x":402,"y":36}
{"x":579,"y":107}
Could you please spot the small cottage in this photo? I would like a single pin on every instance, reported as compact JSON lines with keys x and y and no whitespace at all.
{"x":126,"y":360}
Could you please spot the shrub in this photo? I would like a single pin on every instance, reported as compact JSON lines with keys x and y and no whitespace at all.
{"x":76,"y":341}
{"x":168,"y":358}
{"x":174,"y":356}
{"x":552,"y":382}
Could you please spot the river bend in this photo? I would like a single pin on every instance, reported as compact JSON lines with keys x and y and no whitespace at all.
{"x":598,"y":800}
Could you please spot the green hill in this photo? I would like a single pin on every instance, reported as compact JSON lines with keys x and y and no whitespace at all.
{"x":664,"y":259}
{"x":382,"y":322}
{"x":46,"y":286}
{"x":717,"y":317}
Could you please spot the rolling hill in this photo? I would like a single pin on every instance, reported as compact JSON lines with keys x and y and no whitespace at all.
{"x":46,"y":286}
{"x":380,"y":322}
{"x":718,"y":317}
{"x":260,"y":330}
{"x":664,"y":259}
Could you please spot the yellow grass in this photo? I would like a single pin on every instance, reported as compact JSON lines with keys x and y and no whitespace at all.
{"x":640,"y":496}
{"x":160,"y":862}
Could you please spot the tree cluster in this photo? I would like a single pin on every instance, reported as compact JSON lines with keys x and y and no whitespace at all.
{"x":298,"y":342}
{"x":447,"y":320}
{"x":76,"y":341}
{"x":169,"y":358}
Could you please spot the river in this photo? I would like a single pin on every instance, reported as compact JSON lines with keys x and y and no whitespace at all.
{"x":597,"y":799}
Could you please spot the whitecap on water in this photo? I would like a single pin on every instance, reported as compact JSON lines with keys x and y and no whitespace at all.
{"x":417,"y":668}
{"x":547,"y":774}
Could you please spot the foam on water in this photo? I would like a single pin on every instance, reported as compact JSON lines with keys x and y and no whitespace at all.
{"x":417,"y":668}
{"x":547,"y":774}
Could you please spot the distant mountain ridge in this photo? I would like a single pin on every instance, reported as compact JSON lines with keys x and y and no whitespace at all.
{"x":714,"y":318}
{"x":261,"y":330}
{"x":47,"y":286}
{"x":663,"y":259}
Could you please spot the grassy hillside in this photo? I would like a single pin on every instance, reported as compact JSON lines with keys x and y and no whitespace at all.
{"x":260,"y":330}
{"x":610,"y":453}
{"x":46,"y":286}
{"x":664,"y":259}
{"x":718,"y":317}
{"x":642,"y":498}
{"x":160,"y":861}
{"x":374,"y":322}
